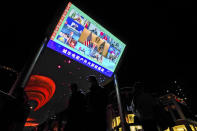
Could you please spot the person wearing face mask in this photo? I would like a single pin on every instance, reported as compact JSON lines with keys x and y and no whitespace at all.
{"x":96,"y":104}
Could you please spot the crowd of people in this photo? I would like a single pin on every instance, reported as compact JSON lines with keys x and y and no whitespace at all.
{"x":84,"y":112}
{"x":88,"y":112}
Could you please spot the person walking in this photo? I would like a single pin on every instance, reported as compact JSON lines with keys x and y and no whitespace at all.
{"x":96,"y":105}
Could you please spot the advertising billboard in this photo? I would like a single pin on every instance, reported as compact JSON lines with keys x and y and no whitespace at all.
{"x":80,"y":38}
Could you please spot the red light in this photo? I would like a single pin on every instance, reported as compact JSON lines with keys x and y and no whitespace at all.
{"x":40,"y":89}
{"x":31,"y":122}
{"x":30,"y":119}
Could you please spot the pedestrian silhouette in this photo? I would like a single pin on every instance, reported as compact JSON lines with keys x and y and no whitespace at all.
{"x":76,"y":110}
{"x":144,"y":104}
{"x":96,"y":105}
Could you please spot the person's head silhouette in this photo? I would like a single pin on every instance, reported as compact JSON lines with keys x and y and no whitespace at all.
{"x":93,"y":81}
{"x":92,"y":78}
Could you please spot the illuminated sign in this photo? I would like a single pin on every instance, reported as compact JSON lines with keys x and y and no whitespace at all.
{"x":80,"y":38}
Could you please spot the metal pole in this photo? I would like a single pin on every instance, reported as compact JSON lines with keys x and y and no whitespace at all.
{"x":24,"y":75}
{"x":122,"y":116}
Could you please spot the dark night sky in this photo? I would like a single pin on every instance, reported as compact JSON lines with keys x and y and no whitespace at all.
{"x":160,"y":37}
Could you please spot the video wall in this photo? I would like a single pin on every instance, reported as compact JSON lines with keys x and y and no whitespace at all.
{"x":79,"y":37}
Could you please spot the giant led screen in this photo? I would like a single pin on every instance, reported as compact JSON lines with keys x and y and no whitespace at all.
{"x":80,"y":38}
{"x":78,"y":47}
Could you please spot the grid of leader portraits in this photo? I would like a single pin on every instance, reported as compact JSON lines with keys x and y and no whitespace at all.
{"x":83,"y":36}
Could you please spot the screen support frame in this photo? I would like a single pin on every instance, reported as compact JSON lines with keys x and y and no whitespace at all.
{"x":24,"y":75}
{"x":120,"y":108}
